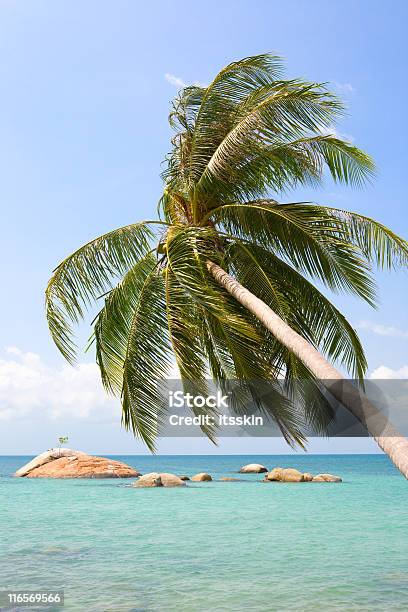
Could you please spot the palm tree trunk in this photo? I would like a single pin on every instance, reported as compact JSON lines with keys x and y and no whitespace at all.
{"x":379,"y":427}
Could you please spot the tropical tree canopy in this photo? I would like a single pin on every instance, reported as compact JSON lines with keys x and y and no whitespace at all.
{"x":239,"y":144}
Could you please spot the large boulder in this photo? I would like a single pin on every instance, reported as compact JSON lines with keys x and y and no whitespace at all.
{"x":80,"y":465}
{"x":253,"y":468}
{"x":49,"y":455}
{"x":162,"y":479}
{"x":149,"y":480}
{"x":184,"y":477}
{"x":201,"y":477}
{"x":279,"y":474}
{"x":326,"y":478}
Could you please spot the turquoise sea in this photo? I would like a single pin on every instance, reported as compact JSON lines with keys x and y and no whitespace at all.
{"x":217,"y":546}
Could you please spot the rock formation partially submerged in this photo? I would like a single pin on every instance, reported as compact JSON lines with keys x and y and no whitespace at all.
{"x":253,"y":468}
{"x":326,"y":478}
{"x":159,"y":479}
{"x":279,"y":474}
{"x":49,"y":455}
{"x":67,"y":463}
{"x":284,"y":475}
{"x":201,"y":477}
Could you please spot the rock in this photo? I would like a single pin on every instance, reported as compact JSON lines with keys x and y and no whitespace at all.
{"x":284,"y":475}
{"x":50,"y":455}
{"x":162,"y":479}
{"x":326,"y":478}
{"x":171,"y":480}
{"x":202,"y":476}
{"x":82,"y":466}
{"x":279,"y":474}
{"x":253,"y":468}
{"x":184,"y":477}
{"x":149,"y":480}
{"x":228,"y":479}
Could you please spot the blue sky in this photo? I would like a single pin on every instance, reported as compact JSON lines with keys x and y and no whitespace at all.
{"x":83,"y":122}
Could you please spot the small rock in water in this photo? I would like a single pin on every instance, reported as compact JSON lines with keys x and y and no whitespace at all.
{"x":201,"y":477}
{"x":253,"y":468}
{"x":326,"y":478}
{"x":156,"y":479}
{"x":228,"y":479}
{"x":284,"y":475}
{"x":171,"y":480}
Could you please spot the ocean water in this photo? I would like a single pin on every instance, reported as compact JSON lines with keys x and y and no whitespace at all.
{"x":217,"y":546}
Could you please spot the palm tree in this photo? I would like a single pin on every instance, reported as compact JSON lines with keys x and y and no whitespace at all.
{"x":222,"y":281}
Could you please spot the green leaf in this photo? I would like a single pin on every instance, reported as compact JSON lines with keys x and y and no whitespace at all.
{"x":306,"y":237}
{"x":378,"y":243}
{"x":147,"y":362}
{"x":113,"y":323}
{"x":299,"y":303}
{"x":86,"y":274}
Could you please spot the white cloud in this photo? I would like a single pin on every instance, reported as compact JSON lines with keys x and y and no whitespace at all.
{"x":344,"y":87}
{"x":29,"y":388}
{"x":179,"y":82}
{"x":174,"y":80}
{"x":383,"y":330}
{"x":384,"y":372}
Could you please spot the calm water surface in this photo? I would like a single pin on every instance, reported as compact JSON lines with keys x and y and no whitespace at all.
{"x":218,"y":546}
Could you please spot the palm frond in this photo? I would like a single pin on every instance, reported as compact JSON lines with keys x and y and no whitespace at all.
{"x":250,"y":131}
{"x":308,"y":394}
{"x":231,"y":338}
{"x":112,"y":325}
{"x":272,"y":120}
{"x":346,"y":163}
{"x":86,"y":274}
{"x":219,"y":104}
{"x":185,"y":108}
{"x":147,"y":362}
{"x":299,"y":303}
{"x":379,"y":244}
{"x":183,"y":321}
{"x":305,"y":237}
